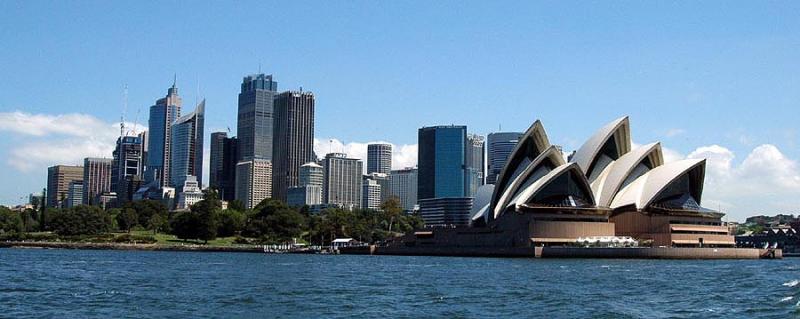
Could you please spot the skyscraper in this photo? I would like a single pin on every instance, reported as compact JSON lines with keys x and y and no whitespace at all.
{"x":311,"y":173}
{"x":216,"y":158}
{"x":227,"y":177}
{"x":253,"y":181}
{"x":58,"y":179}
{"x":370,"y":194}
{"x":403,"y":186}
{"x":379,"y":158}
{"x":342,"y":180}
{"x":159,"y":152}
{"x":474,"y":164}
{"x":293,"y":142}
{"x":74,"y":194}
{"x":127,"y":167}
{"x":441,"y":162}
{"x":255,"y":120}
{"x":309,"y":189}
{"x":187,"y":147}
{"x":499,"y":147}
{"x":96,"y":178}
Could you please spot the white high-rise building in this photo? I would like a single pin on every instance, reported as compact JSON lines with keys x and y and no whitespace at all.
{"x":253,"y":181}
{"x":403,"y":186}
{"x":309,"y":190}
{"x":370,"y":194}
{"x":342,"y":181}
{"x":191,"y":193}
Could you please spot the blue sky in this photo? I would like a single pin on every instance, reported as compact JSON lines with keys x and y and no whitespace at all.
{"x":717,"y":79}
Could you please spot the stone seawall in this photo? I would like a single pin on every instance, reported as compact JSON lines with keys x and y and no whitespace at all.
{"x":570,"y":252}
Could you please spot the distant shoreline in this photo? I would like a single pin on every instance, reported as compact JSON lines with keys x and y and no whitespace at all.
{"x":139,"y":247}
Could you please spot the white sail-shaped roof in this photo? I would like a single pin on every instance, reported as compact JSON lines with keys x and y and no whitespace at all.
{"x":645,"y":189}
{"x":624,"y":170}
{"x":530,"y":145}
{"x":541,"y":165}
{"x":589,"y":156}
{"x":545,"y":184}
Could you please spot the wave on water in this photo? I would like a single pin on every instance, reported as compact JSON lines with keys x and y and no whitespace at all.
{"x":785,"y":299}
{"x":792,"y":283}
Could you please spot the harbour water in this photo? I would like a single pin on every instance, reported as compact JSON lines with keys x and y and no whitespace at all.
{"x":135,"y":284}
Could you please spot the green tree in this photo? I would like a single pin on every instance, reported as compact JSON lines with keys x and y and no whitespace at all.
{"x":157,"y":222}
{"x":392,"y":211}
{"x":231,"y":222}
{"x":81,"y":220}
{"x":236,"y":205}
{"x":145,"y":209}
{"x":127,"y":219}
{"x":183,"y":225}
{"x":10,"y":221}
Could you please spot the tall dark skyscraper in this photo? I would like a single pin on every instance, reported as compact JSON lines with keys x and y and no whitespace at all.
{"x":215,"y":160}
{"x":441,"y":161}
{"x":379,"y":158}
{"x":126,"y":167}
{"x":162,"y":115}
{"x":187,"y":147}
{"x":293,"y":143}
{"x":255,"y":120}
{"x":227,"y":177}
{"x":498,"y":148}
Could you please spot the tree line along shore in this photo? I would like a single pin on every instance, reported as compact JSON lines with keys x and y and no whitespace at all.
{"x":206,"y":225}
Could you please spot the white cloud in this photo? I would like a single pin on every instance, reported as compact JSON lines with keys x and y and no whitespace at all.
{"x":674,"y":132}
{"x":766,"y":181}
{"x":58,"y":139}
{"x":402,"y":155}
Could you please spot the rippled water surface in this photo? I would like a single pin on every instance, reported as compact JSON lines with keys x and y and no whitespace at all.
{"x":129,"y":284}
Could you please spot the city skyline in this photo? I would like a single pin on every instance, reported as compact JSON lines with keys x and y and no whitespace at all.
{"x":705,"y":99}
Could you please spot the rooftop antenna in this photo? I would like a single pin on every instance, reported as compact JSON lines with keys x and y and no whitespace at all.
{"x":175,"y":79}
{"x":124,"y":110}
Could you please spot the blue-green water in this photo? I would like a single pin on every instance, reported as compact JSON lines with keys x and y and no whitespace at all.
{"x":119,"y":284}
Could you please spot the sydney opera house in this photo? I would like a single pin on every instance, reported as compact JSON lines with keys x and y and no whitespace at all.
{"x":605,"y":189}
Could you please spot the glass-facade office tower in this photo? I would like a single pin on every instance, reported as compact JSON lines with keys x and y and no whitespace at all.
{"x":499,"y":147}
{"x":222,"y":169}
{"x":187,"y":147}
{"x":441,"y":162}
{"x":59,"y":178}
{"x":215,"y":158}
{"x":159,"y":152}
{"x":474,"y":164}
{"x":342,"y":180}
{"x":379,"y":158}
{"x":255,"y":119}
{"x":96,"y":178}
{"x":227,"y":178}
{"x":293,"y":143}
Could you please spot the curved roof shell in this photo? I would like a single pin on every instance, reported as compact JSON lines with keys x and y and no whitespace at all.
{"x":576,"y":181}
{"x":620,"y":172}
{"x":548,"y":160}
{"x":643,"y":191}
{"x":612,"y":140}
{"x":530,"y":145}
